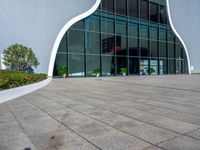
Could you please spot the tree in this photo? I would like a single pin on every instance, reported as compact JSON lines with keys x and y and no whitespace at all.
{"x":19,"y":57}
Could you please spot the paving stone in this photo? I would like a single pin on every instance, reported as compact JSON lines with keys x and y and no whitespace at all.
{"x":181,"y":143}
{"x":175,"y":125}
{"x":195,"y":134}
{"x":151,"y":133}
{"x":118,"y":141}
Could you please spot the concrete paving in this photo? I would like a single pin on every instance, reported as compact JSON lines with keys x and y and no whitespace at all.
{"x":119,"y":113}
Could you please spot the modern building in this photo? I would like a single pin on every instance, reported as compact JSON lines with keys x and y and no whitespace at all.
{"x":144,"y":37}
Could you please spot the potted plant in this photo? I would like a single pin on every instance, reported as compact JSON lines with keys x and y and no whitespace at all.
{"x":62,"y":70}
{"x":123,"y":71}
{"x":151,"y":71}
{"x":97,"y":72}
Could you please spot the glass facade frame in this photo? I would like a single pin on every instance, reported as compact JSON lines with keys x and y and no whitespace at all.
{"x":112,"y":38}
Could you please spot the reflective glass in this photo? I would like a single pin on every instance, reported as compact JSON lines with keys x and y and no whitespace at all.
{"x":92,"y":64}
{"x":108,"y":23}
{"x":154,"y":12}
{"x":76,"y":41}
{"x":144,"y":31}
{"x":133,"y":29}
{"x":121,"y":7}
{"x":93,"y":43}
{"x":163,"y":49}
{"x":133,"y":47}
{"x":144,"y":48}
{"x":108,"y":5}
{"x":108,"y":44}
{"x":120,"y":47}
{"x":133,"y":8}
{"x":121,"y":25}
{"x":93,"y":23}
{"x":134,"y":65}
{"x":121,"y":63}
{"x":154,"y":48}
{"x":163,"y":15}
{"x":144,"y":9}
{"x":76,"y":65}
{"x":108,"y":65}
{"x":61,"y":61}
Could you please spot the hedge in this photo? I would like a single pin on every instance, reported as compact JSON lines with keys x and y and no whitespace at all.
{"x":11,"y":79}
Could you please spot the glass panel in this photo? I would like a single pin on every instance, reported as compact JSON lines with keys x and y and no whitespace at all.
{"x":108,"y":65}
{"x":143,"y":31}
{"x":154,"y":12}
{"x":108,"y":23}
{"x":121,"y":7}
{"x":92,"y":64}
{"x":63,"y":45}
{"x":154,"y":33}
{"x":133,"y":29}
{"x":121,"y":63}
{"x":92,"y":43}
{"x":163,"y":49}
{"x":144,"y":67}
{"x":76,"y":65}
{"x":133,"y":47}
{"x":171,"y":50}
{"x":121,"y":25}
{"x":154,"y":48}
{"x":93,"y":23}
{"x":171,"y":69}
{"x":121,"y":45}
{"x":178,"y":51}
{"x":171,"y":36}
{"x":61,"y":61}
{"x":76,"y":41}
{"x":163,"y":15}
{"x":163,"y":34}
{"x":144,"y":48}
{"x":134,"y":65}
{"x":108,"y":44}
{"x":108,"y":5}
{"x":163,"y":66}
{"x":144,"y":9}
{"x":154,"y":67}
{"x":133,"y":8}
{"x":79,"y":25}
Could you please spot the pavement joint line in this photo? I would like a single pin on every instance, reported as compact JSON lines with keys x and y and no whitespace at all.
{"x":99,"y":105}
{"x":110,"y":125}
{"x":65,"y":125}
{"x":155,"y":107}
{"x":163,"y":87}
{"x":179,"y":134}
{"x":21,"y":126}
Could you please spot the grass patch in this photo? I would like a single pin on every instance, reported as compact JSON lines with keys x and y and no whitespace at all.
{"x":11,"y":79}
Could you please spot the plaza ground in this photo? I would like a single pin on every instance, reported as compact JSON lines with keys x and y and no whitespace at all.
{"x":120,"y":113}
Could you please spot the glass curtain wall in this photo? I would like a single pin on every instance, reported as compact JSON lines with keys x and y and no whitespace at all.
{"x":131,"y":36}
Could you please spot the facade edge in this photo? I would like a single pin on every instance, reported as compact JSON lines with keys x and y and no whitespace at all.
{"x":177,"y":34}
{"x":63,"y":31}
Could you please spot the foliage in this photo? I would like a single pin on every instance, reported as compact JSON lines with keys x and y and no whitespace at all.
{"x":151,"y":71}
{"x":11,"y":79}
{"x":62,"y":70}
{"x":96,"y":71}
{"x":123,"y":70}
{"x":20,"y":58}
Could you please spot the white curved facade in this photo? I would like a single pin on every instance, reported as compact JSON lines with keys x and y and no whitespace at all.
{"x":42,"y":24}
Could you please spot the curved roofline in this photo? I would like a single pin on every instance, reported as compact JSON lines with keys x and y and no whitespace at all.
{"x":63,"y":31}
{"x":177,"y":34}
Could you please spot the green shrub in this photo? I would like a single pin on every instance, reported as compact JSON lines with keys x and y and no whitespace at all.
{"x":11,"y":79}
{"x":123,"y":70}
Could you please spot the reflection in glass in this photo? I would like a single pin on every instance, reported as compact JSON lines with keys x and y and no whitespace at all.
{"x":121,"y":7}
{"x":133,"y":47}
{"x":121,"y":63}
{"x":163,"y":15}
{"x":134,"y":65}
{"x":144,"y":9}
{"x":93,"y":23}
{"x":108,"y":44}
{"x":76,"y":65}
{"x":144,"y":67}
{"x":120,"y":25}
{"x":154,"y":48}
{"x":154,"y":12}
{"x":144,"y":48}
{"x":92,"y":64}
{"x":153,"y":67}
{"x":93,"y":43}
{"x":61,"y":61}
{"x":108,"y":65}
{"x":108,"y":23}
{"x":121,"y":46}
{"x":76,"y":41}
{"x":133,"y":8}
{"x":108,"y":5}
